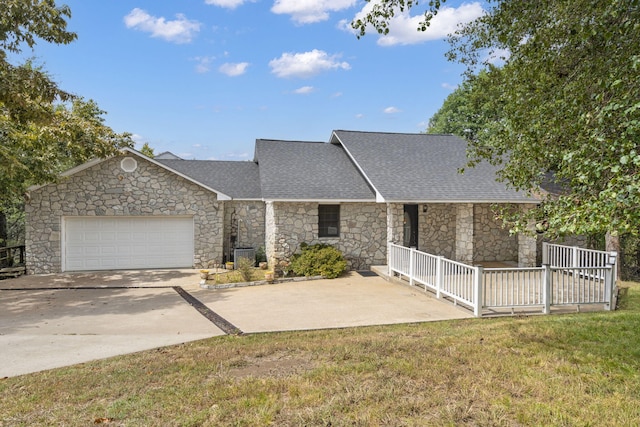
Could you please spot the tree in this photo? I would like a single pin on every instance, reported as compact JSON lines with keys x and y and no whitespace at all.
{"x":467,"y":112}
{"x":569,"y":97}
{"x":147,"y":150}
{"x":43,"y":129}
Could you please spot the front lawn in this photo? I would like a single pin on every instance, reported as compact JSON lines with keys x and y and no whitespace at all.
{"x":581,"y":369}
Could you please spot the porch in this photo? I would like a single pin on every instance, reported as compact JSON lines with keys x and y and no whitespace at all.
{"x":570,"y":278}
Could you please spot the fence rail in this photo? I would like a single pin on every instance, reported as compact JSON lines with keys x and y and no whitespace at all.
{"x":589,"y":278}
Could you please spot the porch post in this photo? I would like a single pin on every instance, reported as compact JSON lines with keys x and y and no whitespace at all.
{"x":528,"y":243}
{"x":610,"y":281}
{"x":464,"y":233}
{"x":546,"y":289}
{"x":478,"y":294}
{"x":412,"y":262}
{"x":439,"y":278}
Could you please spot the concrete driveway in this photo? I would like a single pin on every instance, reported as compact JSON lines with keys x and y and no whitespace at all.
{"x":49,"y":321}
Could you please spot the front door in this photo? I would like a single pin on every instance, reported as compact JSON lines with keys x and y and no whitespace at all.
{"x":410,"y":226}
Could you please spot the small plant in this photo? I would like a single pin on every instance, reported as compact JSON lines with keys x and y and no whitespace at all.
{"x":245,"y":267}
{"x":261,"y":255}
{"x":318,"y":260}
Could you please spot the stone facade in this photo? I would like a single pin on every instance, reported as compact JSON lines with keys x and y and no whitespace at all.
{"x":461,"y":231}
{"x":105,"y":189}
{"x":464,"y":233}
{"x":244,"y":225}
{"x":437,"y":229}
{"x":493,"y":242}
{"x":362,"y":232}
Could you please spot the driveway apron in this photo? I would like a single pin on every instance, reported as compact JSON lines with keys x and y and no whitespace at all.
{"x":58,"y":320}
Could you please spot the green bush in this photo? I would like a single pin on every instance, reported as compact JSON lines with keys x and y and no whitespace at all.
{"x":245,"y":267}
{"x":318,"y":260}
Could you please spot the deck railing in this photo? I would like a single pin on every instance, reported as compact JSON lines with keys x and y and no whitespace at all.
{"x":508,"y":288}
{"x":12,"y":255}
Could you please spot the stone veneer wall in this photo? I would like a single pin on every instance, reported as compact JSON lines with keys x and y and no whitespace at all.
{"x":437,"y":229}
{"x":362,"y":232}
{"x":106,"y":190}
{"x":493,"y":242}
{"x":244,"y":225}
{"x":464,"y":233}
{"x":395,"y":223}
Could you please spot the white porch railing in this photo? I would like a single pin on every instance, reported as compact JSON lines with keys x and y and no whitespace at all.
{"x":502,"y":288}
{"x":452,"y":279}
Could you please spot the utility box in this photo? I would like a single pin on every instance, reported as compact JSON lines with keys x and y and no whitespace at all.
{"x":243,"y":253}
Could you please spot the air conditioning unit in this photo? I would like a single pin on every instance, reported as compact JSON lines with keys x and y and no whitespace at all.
{"x":243,"y":253}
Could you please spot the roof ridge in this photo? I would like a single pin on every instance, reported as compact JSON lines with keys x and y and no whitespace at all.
{"x":396,"y":133}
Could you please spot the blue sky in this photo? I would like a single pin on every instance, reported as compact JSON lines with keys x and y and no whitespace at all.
{"x":205,"y":78}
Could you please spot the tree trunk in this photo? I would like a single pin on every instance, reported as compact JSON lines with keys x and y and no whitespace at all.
{"x":612,"y":244}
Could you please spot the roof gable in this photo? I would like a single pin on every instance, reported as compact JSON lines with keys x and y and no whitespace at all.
{"x":423,"y":168}
{"x":294,"y":170}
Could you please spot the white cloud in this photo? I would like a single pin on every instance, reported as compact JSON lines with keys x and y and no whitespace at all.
{"x":392,"y":110}
{"x":497,"y":56}
{"x":228,"y":4}
{"x":306,"y":64}
{"x":448,"y":86}
{"x":304,"y":90}
{"x":233,"y":70}
{"x":180,"y":30}
{"x":403,"y":27}
{"x":310,"y":11}
{"x":203,"y":63}
{"x":359,"y":116}
{"x":336,"y":95}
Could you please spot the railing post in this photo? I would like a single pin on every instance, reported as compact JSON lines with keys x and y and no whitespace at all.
{"x":438,"y":283}
{"x":546,"y":289}
{"x":389,"y":259}
{"x":412,"y":256}
{"x":477,"y":283}
{"x":545,"y":253}
{"x":610,"y":281}
{"x":575,"y":260}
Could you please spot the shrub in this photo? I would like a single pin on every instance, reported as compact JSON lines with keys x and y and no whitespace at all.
{"x":245,"y":267}
{"x":318,"y":260}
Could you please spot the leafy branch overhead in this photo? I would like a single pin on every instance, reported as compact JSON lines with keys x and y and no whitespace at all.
{"x":43,"y":129}
{"x":552,"y":95}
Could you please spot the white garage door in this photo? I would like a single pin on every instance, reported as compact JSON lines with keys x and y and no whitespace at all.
{"x":117,"y":243}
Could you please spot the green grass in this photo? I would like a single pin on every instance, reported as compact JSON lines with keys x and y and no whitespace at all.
{"x":579,"y":369}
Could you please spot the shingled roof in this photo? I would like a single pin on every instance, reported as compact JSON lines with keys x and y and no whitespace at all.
{"x":239,"y":180}
{"x":423,"y":168}
{"x":311,"y":171}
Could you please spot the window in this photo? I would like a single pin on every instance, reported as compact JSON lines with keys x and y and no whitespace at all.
{"x":328,"y":220}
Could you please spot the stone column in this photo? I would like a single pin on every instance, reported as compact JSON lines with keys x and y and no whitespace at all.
{"x":395,"y":216}
{"x":464,"y":233}
{"x":270,"y":231}
{"x":528,"y":244}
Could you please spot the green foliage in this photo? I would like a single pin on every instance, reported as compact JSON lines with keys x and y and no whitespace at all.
{"x":569,"y":100}
{"x":245,"y":266}
{"x":383,"y":11}
{"x":261,"y":255}
{"x":564,"y":102}
{"x":318,"y":260}
{"x":147,"y":150}
{"x":43,"y":129}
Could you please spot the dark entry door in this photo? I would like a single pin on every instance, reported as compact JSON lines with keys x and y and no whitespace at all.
{"x":410,"y":226}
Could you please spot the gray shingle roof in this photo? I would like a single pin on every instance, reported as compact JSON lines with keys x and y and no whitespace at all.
{"x":292,"y":170}
{"x":239,"y":180}
{"x":423,"y":168}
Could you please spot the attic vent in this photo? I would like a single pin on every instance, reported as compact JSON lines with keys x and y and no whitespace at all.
{"x":128,"y":164}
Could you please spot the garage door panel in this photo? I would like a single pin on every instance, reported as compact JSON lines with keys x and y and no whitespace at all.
{"x":102,"y":243}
